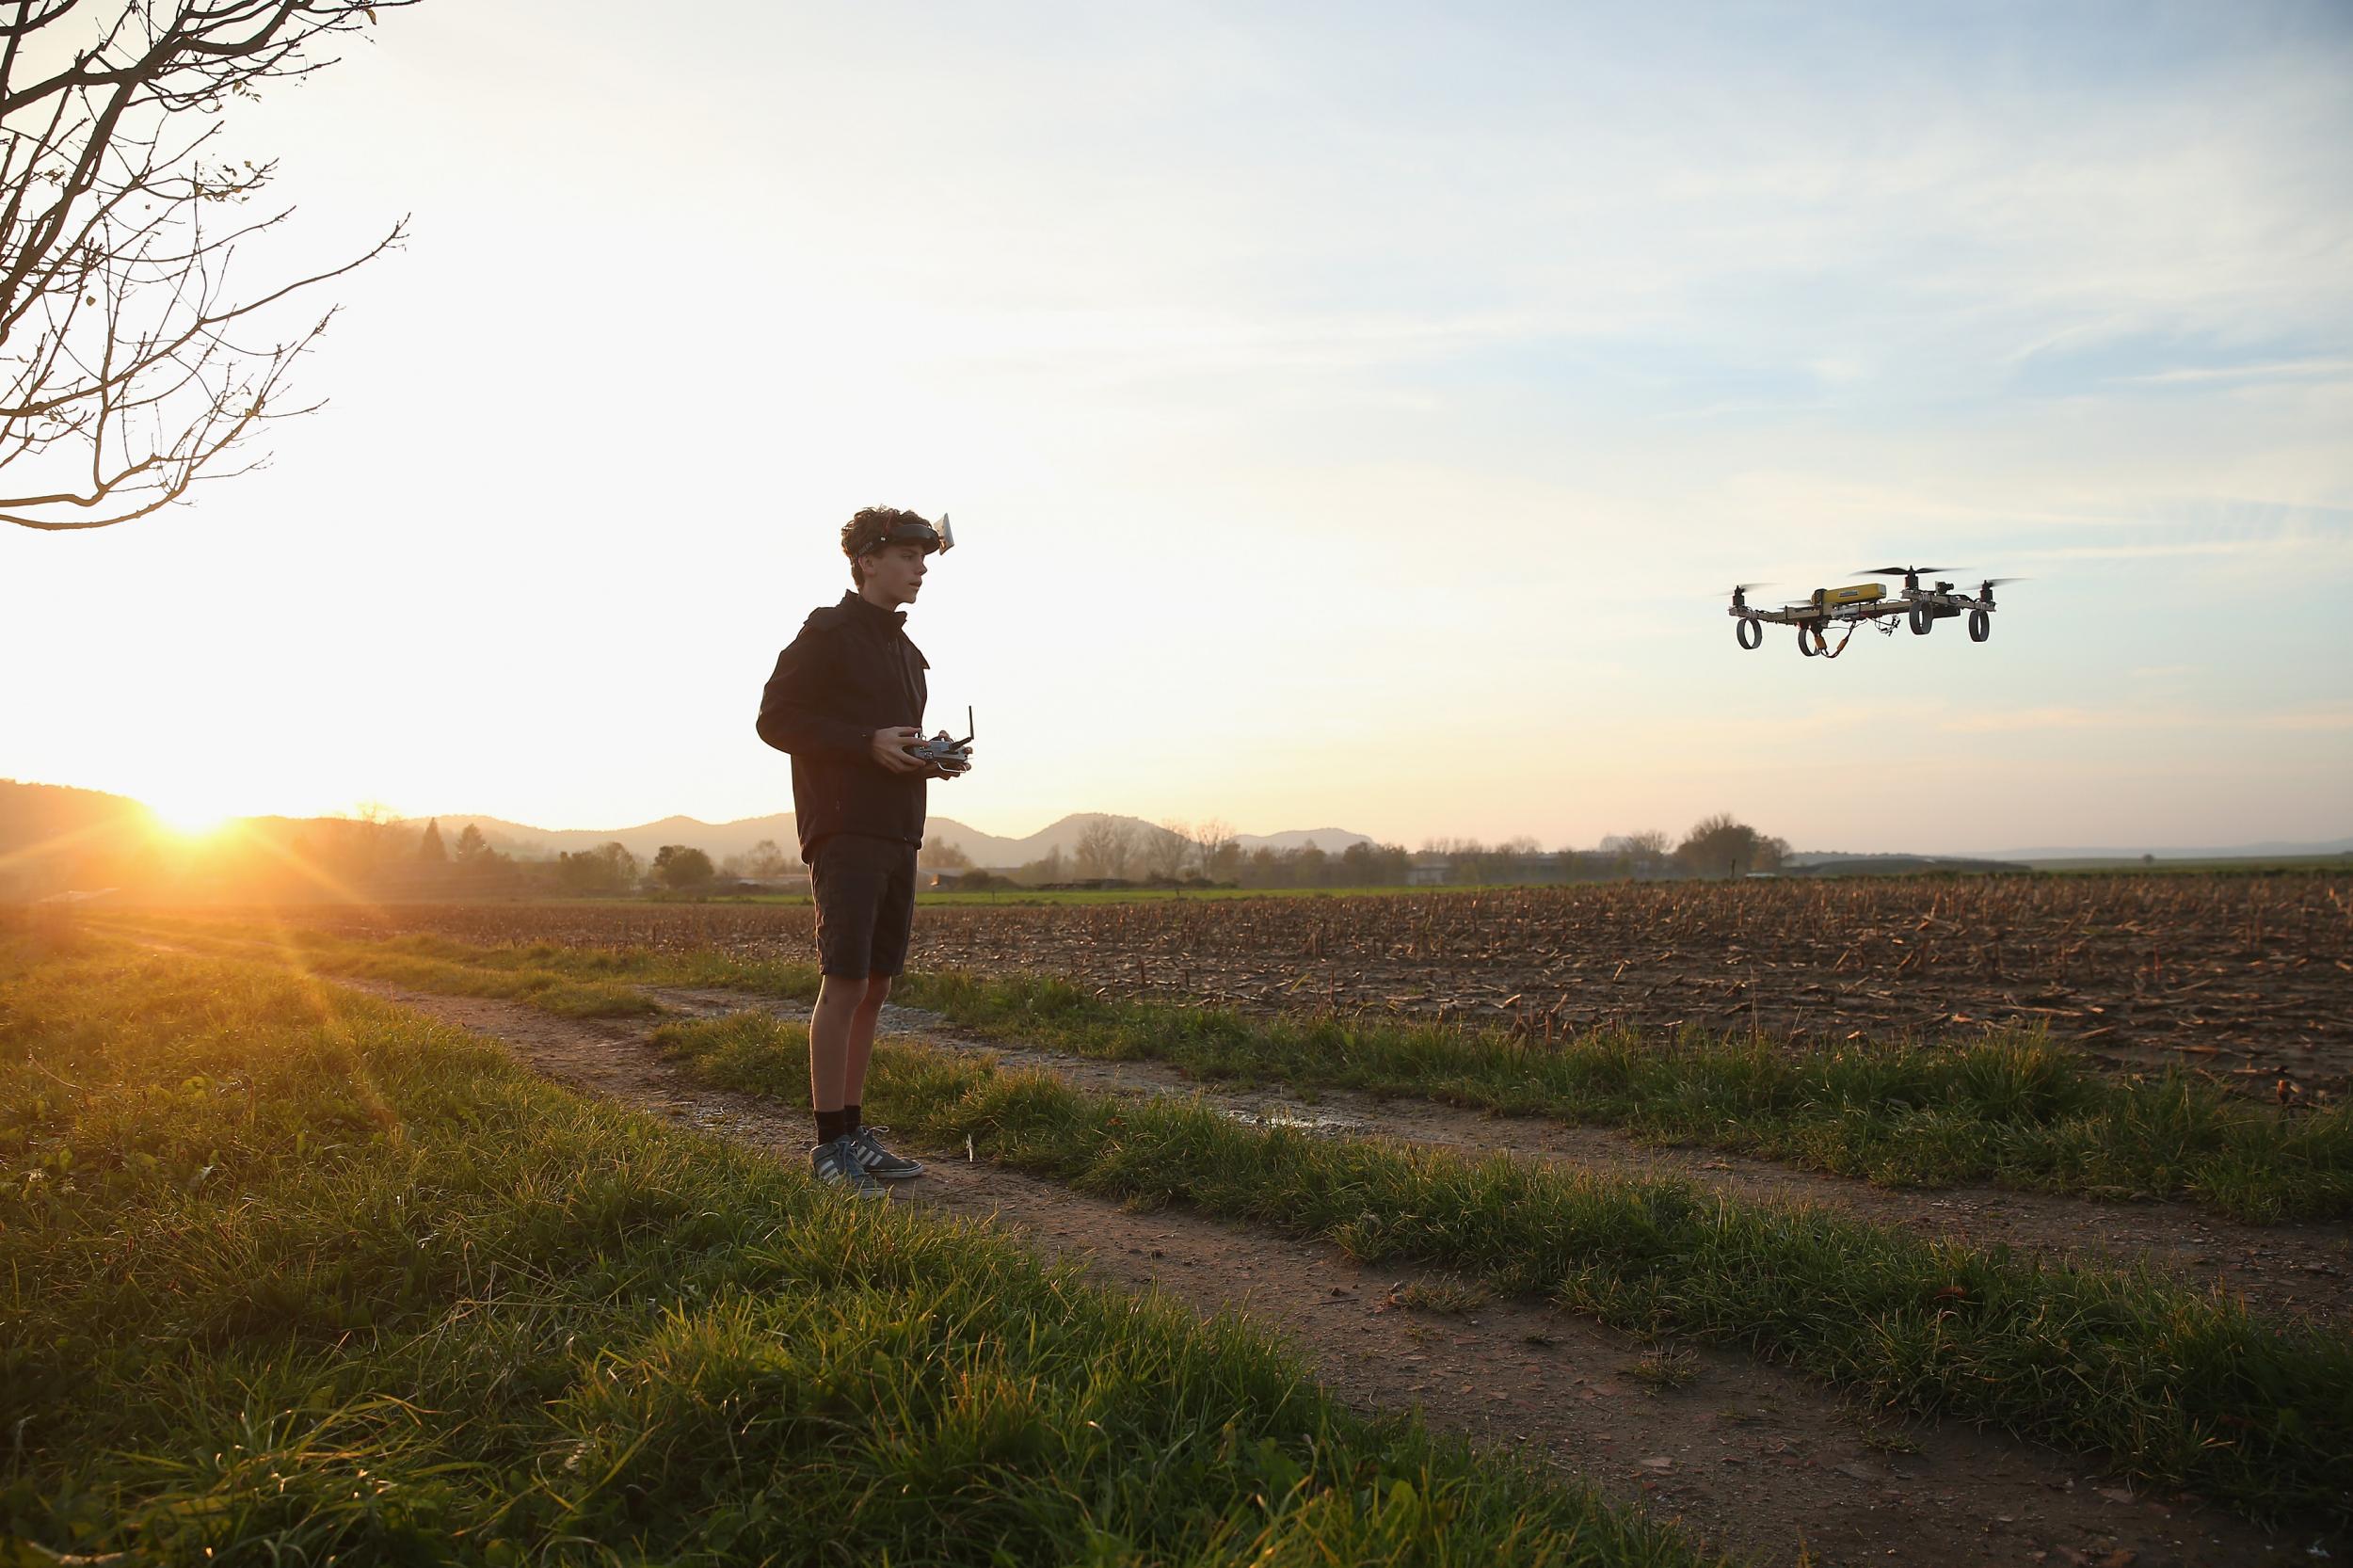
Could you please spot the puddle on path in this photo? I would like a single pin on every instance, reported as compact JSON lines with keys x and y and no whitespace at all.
{"x":1298,"y":1119}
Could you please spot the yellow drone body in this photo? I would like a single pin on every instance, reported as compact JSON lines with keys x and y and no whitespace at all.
{"x":1862,"y":593}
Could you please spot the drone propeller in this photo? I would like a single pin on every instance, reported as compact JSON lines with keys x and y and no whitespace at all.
{"x":1903,"y":571}
{"x":1997,"y":581}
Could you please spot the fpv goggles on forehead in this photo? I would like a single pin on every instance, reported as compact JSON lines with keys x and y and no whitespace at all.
{"x":941,"y":539}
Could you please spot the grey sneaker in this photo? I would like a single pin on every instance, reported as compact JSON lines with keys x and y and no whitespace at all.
{"x":837,"y":1165}
{"x":880,"y":1162}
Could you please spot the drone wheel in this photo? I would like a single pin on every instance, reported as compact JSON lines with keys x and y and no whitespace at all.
{"x":1804,"y":647}
{"x":1980,"y":626}
{"x":1922,"y":617}
{"x":1749,"y":634}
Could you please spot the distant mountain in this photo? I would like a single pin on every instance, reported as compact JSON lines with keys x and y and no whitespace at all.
{"x":53,"y":836}
{"x":1329,"y":840}
{"x":33,"y":814}
{"x":93,"y":830}
{"x":721,"y":840}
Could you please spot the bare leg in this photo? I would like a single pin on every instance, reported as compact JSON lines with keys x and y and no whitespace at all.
{"x":829,"y":1028}
{"x":861,"y":1040}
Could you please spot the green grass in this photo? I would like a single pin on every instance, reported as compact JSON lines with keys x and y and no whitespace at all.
{"x":2020,"y":1110}
{"x":296,"y":1276}
{"x":2178,"y":1386}
{"x":444,"y":968}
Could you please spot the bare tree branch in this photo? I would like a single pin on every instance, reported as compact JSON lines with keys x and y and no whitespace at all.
{"x":121,"y":385}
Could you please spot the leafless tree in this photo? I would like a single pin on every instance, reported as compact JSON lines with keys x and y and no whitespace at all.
{"x":1645,"y":852}
{"x":372,"y":834}
{"x":1105,"y":847}
{"x":1164,"y":849}
{"x":1212,"y":842}
{"x":135,"y":357}
{"x":943,"y":855}
{"x":1053,"y":865}
{"x":1452,"y":847}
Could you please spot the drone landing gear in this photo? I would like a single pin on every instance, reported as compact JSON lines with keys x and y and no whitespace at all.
{"x":1815,"y":645}
{"x":1980,"y":626}
{"x":1750,"y":633}
{"x":1922,"y":620}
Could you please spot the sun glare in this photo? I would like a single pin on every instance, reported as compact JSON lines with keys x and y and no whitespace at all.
{"x":189,"y":819}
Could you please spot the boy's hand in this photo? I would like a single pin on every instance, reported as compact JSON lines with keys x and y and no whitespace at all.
{"x":889,"y":749}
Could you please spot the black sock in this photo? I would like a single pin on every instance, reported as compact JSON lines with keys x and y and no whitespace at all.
{"x":830,"y":1125}
{"x":857,"y":1117}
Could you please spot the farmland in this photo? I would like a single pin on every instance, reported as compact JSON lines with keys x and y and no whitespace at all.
{"x":2248,"y":980}
{"x":1413,"y":1256}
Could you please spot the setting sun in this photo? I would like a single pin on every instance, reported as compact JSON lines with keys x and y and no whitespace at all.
{"x":191,"y":818}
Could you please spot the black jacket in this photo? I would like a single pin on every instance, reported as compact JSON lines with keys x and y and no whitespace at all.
{"x":851,"y":672}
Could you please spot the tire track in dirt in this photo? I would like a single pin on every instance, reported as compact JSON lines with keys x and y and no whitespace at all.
{"x":2296,"y":1272}
{"x":1748,"y":1457}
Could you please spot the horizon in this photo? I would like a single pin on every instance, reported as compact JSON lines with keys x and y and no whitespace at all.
{"x":206,"y":827}
{"x":1361,"y":422}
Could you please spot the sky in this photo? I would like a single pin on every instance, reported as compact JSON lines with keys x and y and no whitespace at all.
{"x":1350,"y":415}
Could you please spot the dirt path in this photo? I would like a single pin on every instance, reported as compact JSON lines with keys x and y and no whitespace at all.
{"x":1748,"y":1457}
{"x":2295,"y":1270}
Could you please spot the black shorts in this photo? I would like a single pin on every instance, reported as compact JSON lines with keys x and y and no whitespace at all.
{"x":865,"y":904}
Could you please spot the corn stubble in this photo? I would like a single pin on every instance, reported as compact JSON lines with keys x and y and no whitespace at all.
{"x":2247,"y":980}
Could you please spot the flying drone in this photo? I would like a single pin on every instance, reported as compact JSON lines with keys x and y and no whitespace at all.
{"x":1919,"y":607}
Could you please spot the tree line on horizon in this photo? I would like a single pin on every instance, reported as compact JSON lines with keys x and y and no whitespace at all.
{"x":1111,"y":850}
{"x":106,"y":842}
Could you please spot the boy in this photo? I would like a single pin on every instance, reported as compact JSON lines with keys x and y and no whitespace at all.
{"x":847,"y":701}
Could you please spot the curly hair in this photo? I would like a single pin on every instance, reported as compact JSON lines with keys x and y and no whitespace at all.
{"x":863,"y":531}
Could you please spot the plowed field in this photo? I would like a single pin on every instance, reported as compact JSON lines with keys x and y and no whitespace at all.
{"x":2246,"y":978}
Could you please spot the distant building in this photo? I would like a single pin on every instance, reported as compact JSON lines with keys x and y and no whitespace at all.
{"x":1428,"y":870}
{"x":792,"y":882}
